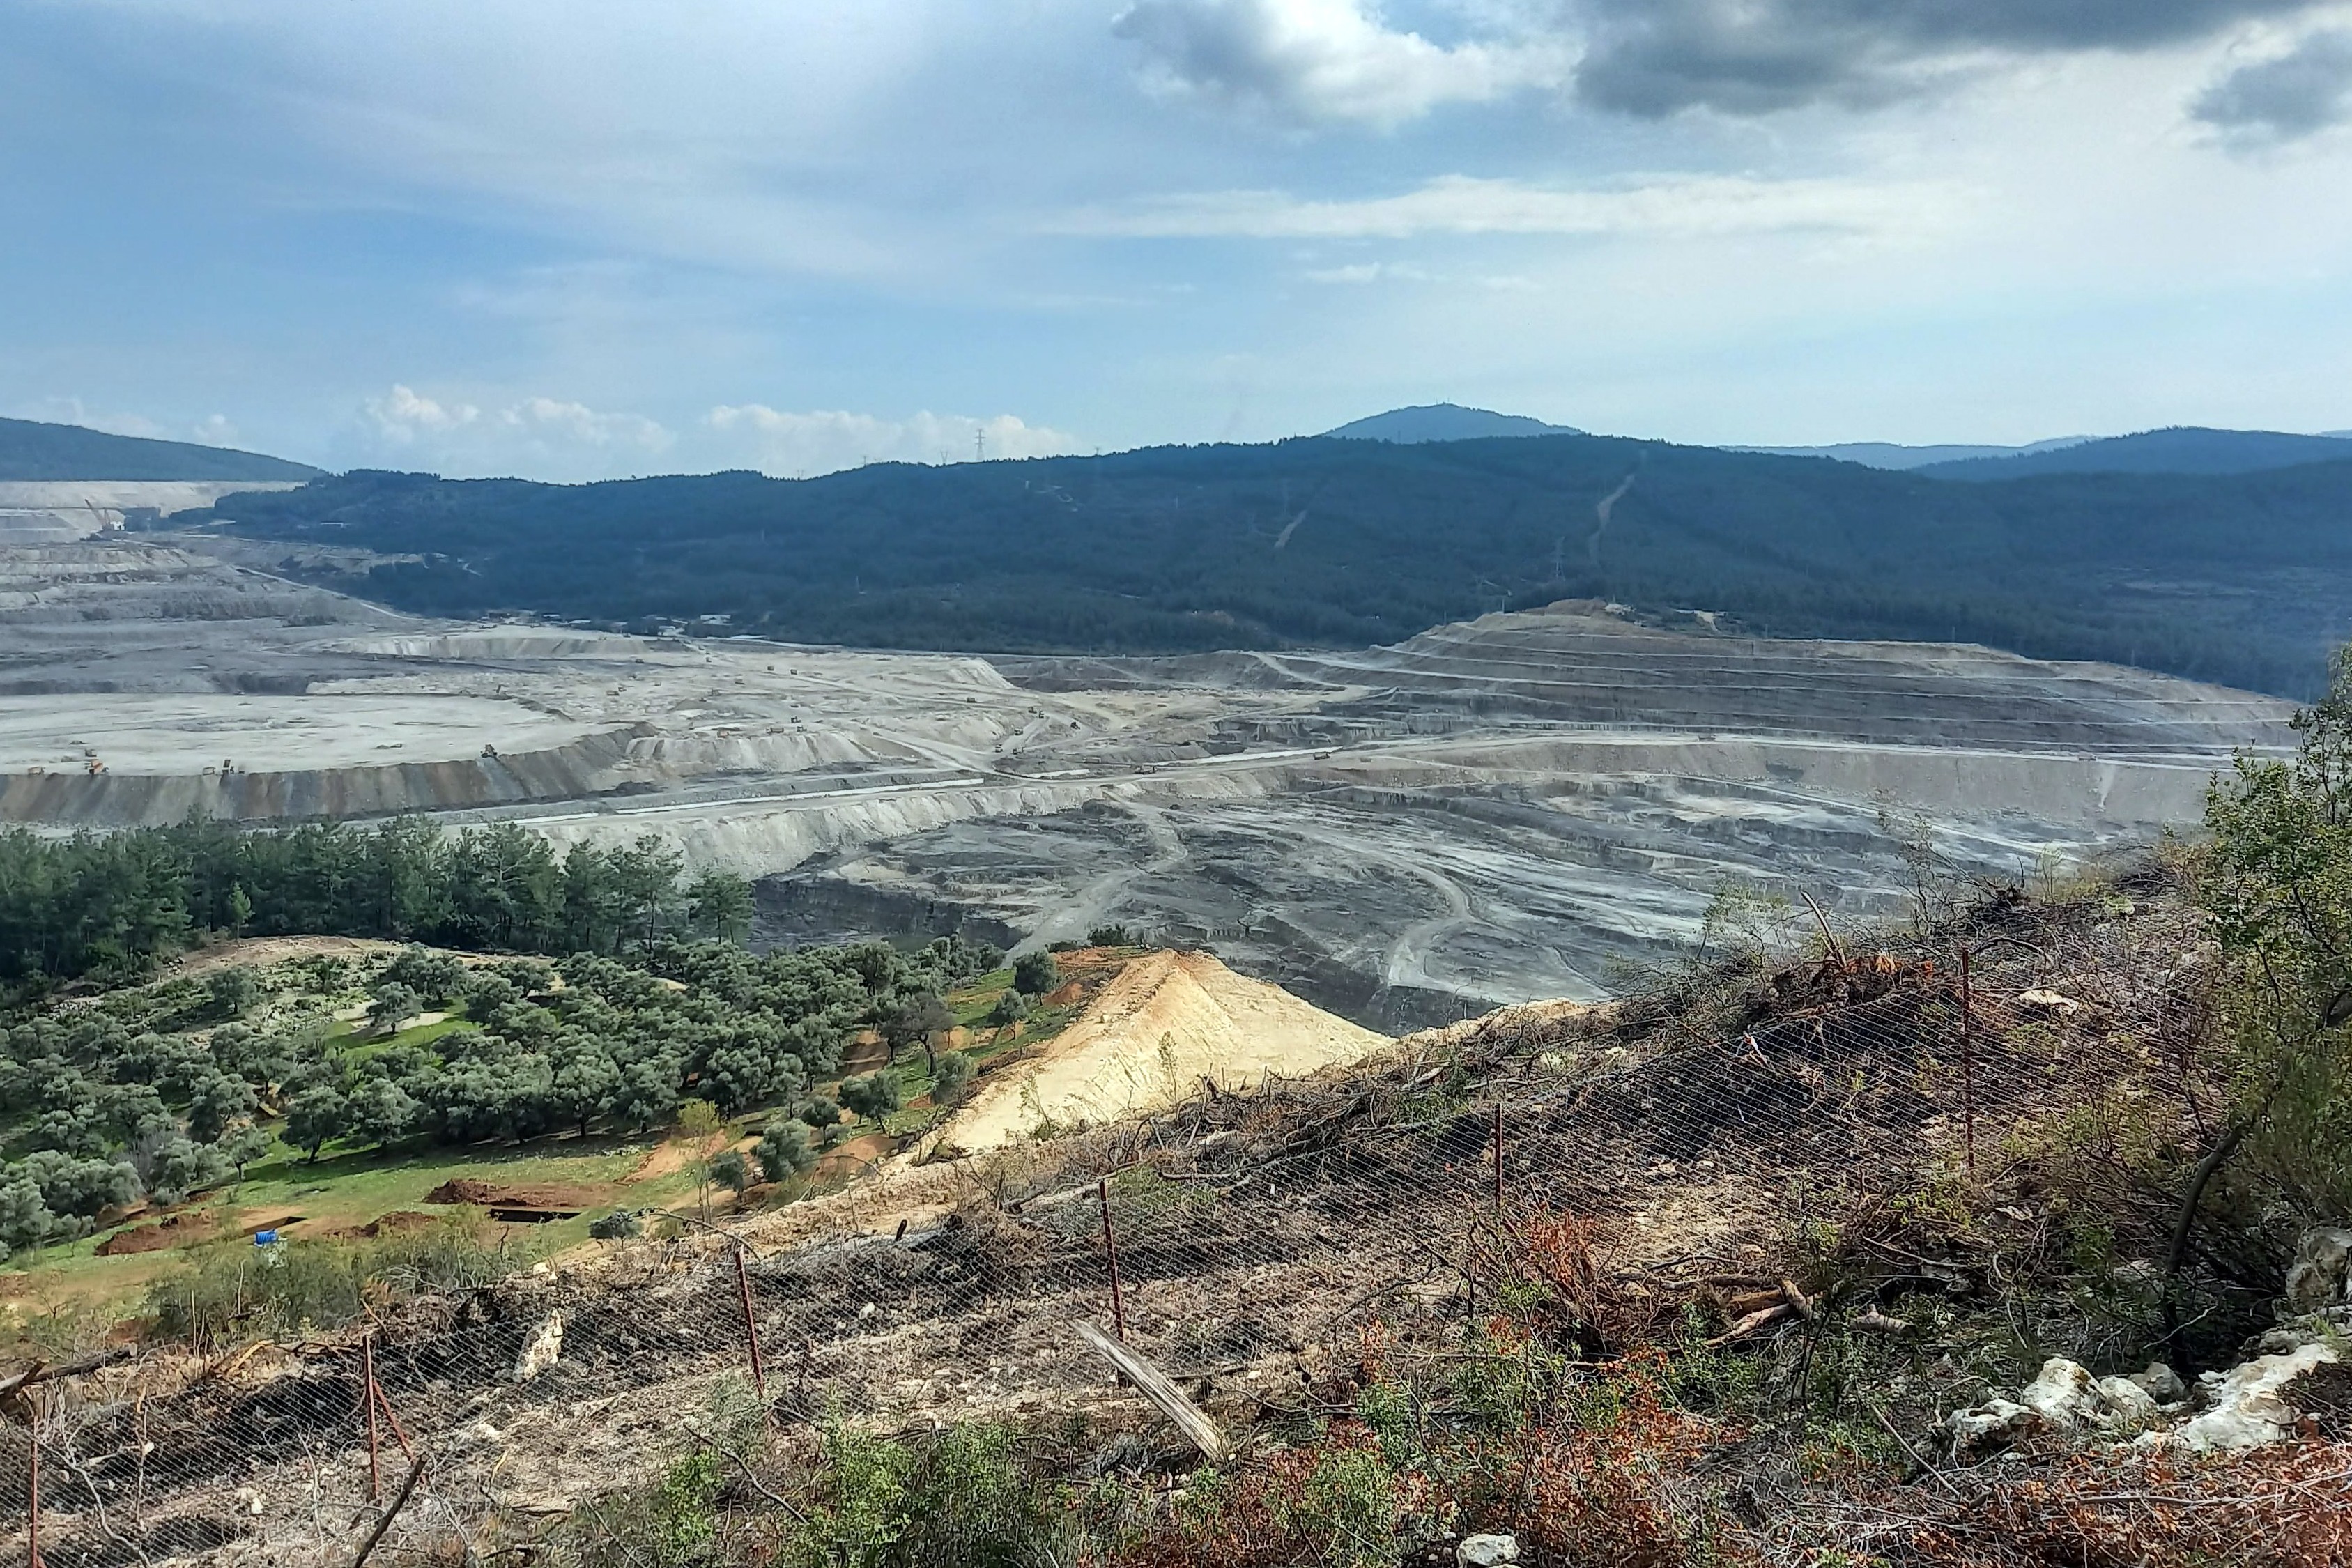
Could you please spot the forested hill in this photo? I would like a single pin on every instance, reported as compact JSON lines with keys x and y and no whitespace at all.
{"x":2239,"y":578}
{"x":32,"y":450}
{"x":2183,"y":450}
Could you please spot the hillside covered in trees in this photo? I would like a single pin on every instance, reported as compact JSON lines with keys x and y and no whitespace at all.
{"x":2236,"y":578}
{"x":30,"y":449}
{"x":113,"y":1090}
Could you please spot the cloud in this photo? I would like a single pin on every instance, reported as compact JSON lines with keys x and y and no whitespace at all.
{"x":576,"y":424}
{"x":403,"y":418}
{"x":543,"y":436}
{"x":820,"y":442}
{"x":1654,"y":58}
{"x":1326,"y":61}
{"x":1681,"y":206}
{"x":2284,"y":98}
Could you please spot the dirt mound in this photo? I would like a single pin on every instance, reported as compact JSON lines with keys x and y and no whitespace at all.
{"x":178,"y":1230}
{"x":538,"y":1200}
{"x":1166,"y":1024}
{"x":397,"y":1223}
{"x":462,"y":1190}
{"x":1538,"y":1021}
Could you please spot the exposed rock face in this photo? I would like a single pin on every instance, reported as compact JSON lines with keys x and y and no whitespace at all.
{"x":2248,"y":1405}
{"x":2321,"y":1278}
{"x":2065,"y":1397}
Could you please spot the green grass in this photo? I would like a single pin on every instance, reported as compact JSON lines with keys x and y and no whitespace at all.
{"x":346,"y":1190}
{"x":356,"y":1043}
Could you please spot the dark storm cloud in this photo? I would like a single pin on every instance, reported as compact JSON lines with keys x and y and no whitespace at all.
{"x":1751,"y":57}
{"x":2305,"y":91}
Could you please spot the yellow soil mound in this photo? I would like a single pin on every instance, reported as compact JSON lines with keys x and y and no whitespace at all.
{"x":1170,"y":1020}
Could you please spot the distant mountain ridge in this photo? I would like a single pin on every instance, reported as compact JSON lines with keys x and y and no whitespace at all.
{"x":32,"y":450}
{"x":1445,"y":422}
{"x":1893,"y":454}
{"x":2178,"y":450}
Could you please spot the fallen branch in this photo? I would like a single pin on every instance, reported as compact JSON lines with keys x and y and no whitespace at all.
{"x":1751,"y":1324}
{"x":399,"y":1501}
{"x":41,"y":1373}
{"x":1185,"y":1415}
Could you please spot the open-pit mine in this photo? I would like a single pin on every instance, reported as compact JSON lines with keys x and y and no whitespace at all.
{"x":1503,"y":809}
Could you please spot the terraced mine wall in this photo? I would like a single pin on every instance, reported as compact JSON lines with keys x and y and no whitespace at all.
{"x":586,"y":766}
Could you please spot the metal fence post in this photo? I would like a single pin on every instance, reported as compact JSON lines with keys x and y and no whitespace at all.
{"x":1498,"y":1161}
{"x":33,"y":1486}
{"x":1110,"y":1250}
{"x":751,"y":1327}
{"x":368,"y":1398}
{"x":1967,"y":1061}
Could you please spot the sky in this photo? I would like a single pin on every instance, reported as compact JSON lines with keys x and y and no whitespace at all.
{"x":574,"y":239}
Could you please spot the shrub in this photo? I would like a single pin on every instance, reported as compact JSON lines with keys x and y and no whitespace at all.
{"x":728,"y":1168}
{"x":952,"y":1077}
{"x":964,"y":1498}
{"x":873,"y":1095}
{"x":784,"y":1150}
{"x":618,"y":1226}
{"x":1110,"y":936}
{"x":234,"y":1289}
{"x":1035,"y":973}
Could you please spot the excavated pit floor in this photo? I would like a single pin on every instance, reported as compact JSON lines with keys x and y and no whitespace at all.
{"x":1513,"y":807}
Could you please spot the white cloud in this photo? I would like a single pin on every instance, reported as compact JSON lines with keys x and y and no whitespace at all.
{"x":823,"y":440}
{"x":576,"y":424}
{"x":402,"y":418}
{"x":1327,"y":60}
{"x":216,"y":430}
{"x":1678,"y":206}
{"x":546,"y":437}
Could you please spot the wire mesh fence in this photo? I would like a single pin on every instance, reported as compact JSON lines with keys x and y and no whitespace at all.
{"x":1245,"y":1241}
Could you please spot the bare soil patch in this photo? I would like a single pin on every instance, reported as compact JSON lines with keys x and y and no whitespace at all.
{"x":546,"y":1195}
{"x":1163,"y":1024}
{"x":174,"y":1230}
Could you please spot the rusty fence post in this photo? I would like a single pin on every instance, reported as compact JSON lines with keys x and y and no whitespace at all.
{"x":368,"y":1398}
{"x":1110,"y":1250}
{"x":751,"y":1326}
{"x":1967,"y":1061}
{"x":33,"y":1486}
{"x":1498,"y":1161}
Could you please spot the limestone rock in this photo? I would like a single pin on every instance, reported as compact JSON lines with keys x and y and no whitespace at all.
{"x":2163,"y":1384}
{"x":2247,"y":1405}
{"x":541,"y":1352}
{"x":1487,"y":1551}
{"x":2321,"y":1276}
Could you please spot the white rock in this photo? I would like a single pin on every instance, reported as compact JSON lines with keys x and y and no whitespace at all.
{"x":2321,"y":1276}
{"x":2048,"y":1002}
{"x":2124,"y":1402}
{"x":1487,"y":1551}
{"x":1995,"y":1418}
{"x":541,"y":1354}
{"x":2249,"y":1403}
{"x":2064,"y":1393}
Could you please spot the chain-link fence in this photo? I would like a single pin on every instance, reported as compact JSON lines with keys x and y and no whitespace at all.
{"x":1244,"y":1242}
